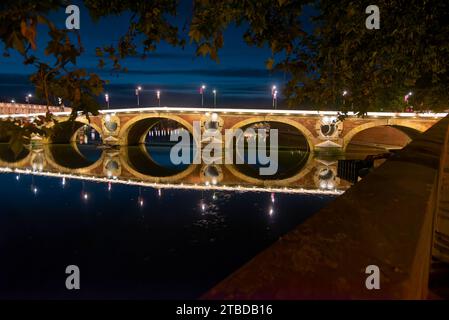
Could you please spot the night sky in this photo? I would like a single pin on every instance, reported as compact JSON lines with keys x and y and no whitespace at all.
{"x":240,"y":77}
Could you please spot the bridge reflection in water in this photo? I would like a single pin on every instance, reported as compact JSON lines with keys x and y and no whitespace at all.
{"x":131,"y":212}
{"x":299,"y":171}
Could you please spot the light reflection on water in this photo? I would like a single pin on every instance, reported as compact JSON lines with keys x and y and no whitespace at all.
{"x":141,"y":241}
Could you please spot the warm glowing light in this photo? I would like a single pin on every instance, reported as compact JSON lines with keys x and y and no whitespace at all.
{"x":181,"y":185}
{"x":345,"y":93}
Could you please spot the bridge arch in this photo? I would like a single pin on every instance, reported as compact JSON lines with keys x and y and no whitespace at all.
{"x":410,"y":128}
{"x":134,"y":131}
{"x":301,"y":128}
{"x":65,"y":130}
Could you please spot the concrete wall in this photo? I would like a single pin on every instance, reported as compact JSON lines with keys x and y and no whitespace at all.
{"x":385,"y":220}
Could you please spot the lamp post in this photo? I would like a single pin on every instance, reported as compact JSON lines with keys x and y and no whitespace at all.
{"x":215,"y":97}
{"x":28,"y":98}
{"x":344,"y":95}
{"x":106,"y":98}
{"x":138,"y":89}
{"x":158,"y":95}
{"x":203,"y":87}
{"x":274,"y":95}
{"x":406,"y":97}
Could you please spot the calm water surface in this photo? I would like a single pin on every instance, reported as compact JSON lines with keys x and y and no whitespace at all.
{"x":140,"y":241}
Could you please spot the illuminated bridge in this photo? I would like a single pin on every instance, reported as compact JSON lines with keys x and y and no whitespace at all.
{"x":314,"y":130}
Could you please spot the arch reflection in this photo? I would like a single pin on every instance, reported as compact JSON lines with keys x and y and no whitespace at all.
{"x":66,"y":157}
{"x":134,"y":165}
{"x":8,"y":156}
{"x":153,"y":161}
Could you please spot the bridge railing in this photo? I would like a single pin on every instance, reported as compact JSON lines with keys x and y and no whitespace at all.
{"x":387,"y":220}
{"x":28,"y":109}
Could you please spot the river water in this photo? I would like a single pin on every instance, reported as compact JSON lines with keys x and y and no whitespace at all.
{"x":138,"y":227}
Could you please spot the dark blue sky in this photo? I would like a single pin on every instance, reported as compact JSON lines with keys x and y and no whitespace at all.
{"x":240,"y":77}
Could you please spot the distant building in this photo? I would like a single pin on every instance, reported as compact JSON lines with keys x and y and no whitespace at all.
{"x":17,"y":108}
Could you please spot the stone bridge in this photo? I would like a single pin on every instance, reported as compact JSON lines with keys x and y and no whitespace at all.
{"x":320,"y":130}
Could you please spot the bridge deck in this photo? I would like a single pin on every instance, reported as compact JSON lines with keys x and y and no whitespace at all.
{"x":246,"y":111}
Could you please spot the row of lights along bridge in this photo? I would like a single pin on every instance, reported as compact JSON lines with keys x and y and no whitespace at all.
{"x":138,"y":89}
{"x":274,"y":95}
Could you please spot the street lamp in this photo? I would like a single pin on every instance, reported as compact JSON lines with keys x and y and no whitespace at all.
{"x":203,"y":87}
{"x":13,"y":101}
{"x":158,"y":95}
{"x":215,"y":97}
{"x":106,"y":98}
{"x":344,"y":94}
{"x":138,"y":89}
{"x":28,"y":97}
{"x":407,"y":96}
{"x":274,"y":95}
